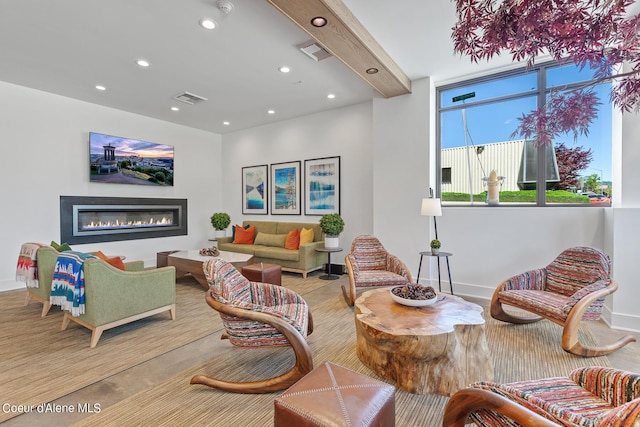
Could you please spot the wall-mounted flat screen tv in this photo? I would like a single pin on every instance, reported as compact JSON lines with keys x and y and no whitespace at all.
{"x":120,"y":160}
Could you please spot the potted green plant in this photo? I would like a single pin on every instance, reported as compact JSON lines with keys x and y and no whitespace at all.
{"x":435,"y":246}
{"x":220,"y":221}
{"x":331,"y":225}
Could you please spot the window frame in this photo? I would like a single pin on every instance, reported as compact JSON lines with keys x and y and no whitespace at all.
{"x":541,"y":93}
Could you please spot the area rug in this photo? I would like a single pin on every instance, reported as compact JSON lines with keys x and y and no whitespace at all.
{"x":518,"y":352}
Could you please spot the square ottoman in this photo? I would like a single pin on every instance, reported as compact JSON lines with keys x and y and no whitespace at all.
{"x":331,"y":395}
{"x":263,"y":272}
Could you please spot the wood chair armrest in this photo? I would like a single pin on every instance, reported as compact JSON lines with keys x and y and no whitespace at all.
{"x":466,"y":401}
{"x":295,"y":338}
{"x":396,"y":265}
{"x":578,"y":309}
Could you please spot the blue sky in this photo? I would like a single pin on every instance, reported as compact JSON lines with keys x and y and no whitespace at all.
{"x":128,"y":146}
{"x":495,"y":122}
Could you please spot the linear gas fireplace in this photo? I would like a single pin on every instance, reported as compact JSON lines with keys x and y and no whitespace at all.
{"x":107,"y":219}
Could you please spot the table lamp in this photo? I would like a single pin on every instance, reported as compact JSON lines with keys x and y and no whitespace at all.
{"x":432,"y":207}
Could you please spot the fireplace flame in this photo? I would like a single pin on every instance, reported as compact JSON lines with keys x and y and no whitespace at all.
{"x":105,"y":225}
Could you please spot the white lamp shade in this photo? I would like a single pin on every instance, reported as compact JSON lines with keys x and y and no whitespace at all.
{"x":431,"y":207}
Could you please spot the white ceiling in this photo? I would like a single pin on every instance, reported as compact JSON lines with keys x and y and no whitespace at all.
{"x":69,"y":46}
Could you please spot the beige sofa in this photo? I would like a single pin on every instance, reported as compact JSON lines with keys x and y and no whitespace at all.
{"x":270,"y":247}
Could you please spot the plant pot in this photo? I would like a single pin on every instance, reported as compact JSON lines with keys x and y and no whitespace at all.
{"x":435,"y":251}
{"x":221,"y":233}
{"x":331,"y":241}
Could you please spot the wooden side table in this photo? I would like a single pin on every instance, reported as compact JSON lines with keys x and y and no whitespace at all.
{"x":329,"y":276}
{"x":263,"y":272}
{"x":439,"y":255}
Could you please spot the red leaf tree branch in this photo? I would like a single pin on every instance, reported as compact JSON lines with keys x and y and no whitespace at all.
{"x":599,"y":34}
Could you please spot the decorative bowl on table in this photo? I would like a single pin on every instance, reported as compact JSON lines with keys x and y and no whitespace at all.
{"x":414,"y":295}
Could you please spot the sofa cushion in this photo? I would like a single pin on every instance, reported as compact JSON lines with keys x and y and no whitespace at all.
{"x":306,"y":236}
{"x":244,"y":237}
{"x":242,"y":249}
{"x":233,"y":231}
{"x":266,"y":239}
{"x":293,"y":240}
{"x":276,"y":253}
{"x":115,"y":261}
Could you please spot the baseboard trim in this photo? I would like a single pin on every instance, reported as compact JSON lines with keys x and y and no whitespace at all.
{"x":11,"y":285}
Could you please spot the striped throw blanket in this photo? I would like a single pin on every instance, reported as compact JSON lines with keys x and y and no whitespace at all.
{"x":67,"y":286}
{"x":27,"y":270}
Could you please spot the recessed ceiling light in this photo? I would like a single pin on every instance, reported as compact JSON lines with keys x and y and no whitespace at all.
{"x":284,"y":69}
{"x":372,"y":70}
{"x":143,"y":63}
{"x":226,"y":123}
{"x":208,"y":24}
{"x":331,"y":96}
{"x":271,"y":111}
{"x":175,"y":109}
{"x":319,"y":21}
{"x":100,"y":87}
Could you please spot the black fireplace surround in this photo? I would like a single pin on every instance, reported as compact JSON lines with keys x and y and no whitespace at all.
{"x":108,"y":219}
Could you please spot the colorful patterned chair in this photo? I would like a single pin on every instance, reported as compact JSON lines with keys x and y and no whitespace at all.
{"x":590,"y":397}
{"x":369,"y":264}
{"x":570,"y":289}
{"x":255,"y":315}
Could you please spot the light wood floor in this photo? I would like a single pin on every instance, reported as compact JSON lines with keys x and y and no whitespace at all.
{"x":138,"y":378}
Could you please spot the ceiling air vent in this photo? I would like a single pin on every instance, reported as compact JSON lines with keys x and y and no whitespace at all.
{"x":313,"y":50}
{"x":189,"y":98}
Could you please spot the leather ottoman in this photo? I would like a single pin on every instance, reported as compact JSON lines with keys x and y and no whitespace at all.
{"x":263,"y":272}
{"x":331,"y":395}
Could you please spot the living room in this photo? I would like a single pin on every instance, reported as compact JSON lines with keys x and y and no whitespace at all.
{"x":387,"y":165}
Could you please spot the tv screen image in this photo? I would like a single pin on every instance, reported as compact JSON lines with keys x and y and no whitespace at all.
{"x":118,"y":160}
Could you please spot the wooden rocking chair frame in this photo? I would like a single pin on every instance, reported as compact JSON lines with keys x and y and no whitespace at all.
{"x":570,"y":342}
{"x":303,"y":363}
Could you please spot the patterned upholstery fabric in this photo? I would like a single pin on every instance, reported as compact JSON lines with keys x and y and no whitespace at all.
{"x":374,"y":266}
{"x":555,"y":289}
{"x":369,"y":253}
{"x":230,"y":287}
{"x":590,"y":397}
{"x":576,"y":268}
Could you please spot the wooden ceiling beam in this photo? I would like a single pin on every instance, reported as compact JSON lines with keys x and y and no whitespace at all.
{"x":346,"y":38}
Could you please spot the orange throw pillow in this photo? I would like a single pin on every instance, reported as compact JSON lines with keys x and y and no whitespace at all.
{"x":116,"y":261}
{"x":245,"y":237}
{"x":293,"y":240}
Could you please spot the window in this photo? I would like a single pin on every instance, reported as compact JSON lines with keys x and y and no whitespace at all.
{"x":446,"y":175}
{"x":475,"y":123}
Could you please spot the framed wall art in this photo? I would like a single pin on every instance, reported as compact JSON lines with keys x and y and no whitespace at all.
{"x":285,"y":188}
{"x":255,"y":190}
{"x":322,"y":186}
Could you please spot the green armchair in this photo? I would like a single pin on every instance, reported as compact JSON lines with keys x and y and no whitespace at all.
{"x":47,"y":257}
{"x":114,"y":297}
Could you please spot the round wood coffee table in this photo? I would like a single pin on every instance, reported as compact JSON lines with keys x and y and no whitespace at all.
{"x":440,"y":348}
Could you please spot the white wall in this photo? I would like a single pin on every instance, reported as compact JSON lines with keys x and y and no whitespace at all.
{"x":344,"y":132}
{"x":401,"y":172}
{"x":45,"y":155}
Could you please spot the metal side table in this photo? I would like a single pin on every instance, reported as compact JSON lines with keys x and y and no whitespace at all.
{"x":439,"y":255}
{"x":328,"y":251}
